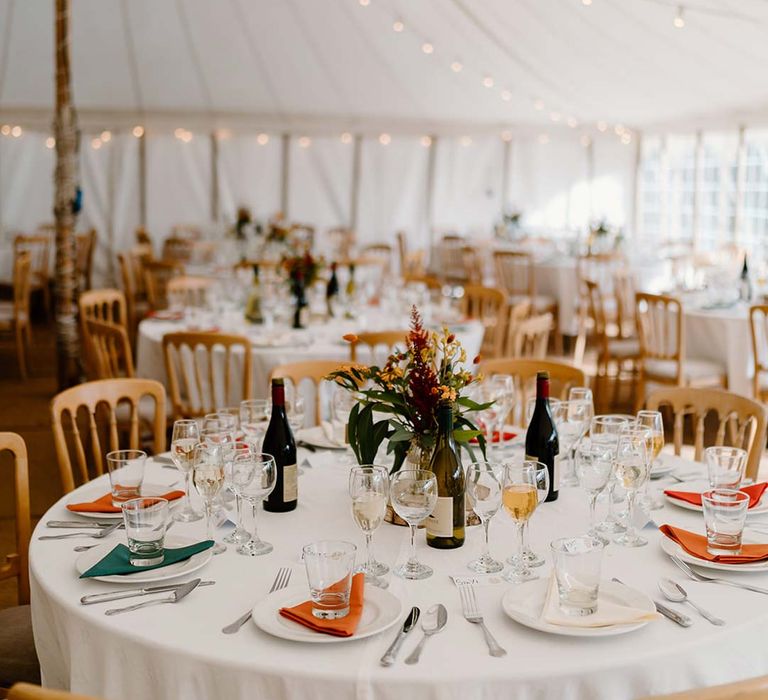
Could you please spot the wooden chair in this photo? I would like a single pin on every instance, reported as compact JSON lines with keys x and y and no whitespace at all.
{"x":744,"y":418}
{"x":177,"y":249}
{"x":750,"y":689}
{"x":515,"y":315}
{"x":624,"y":289}
{"x":758,"y":326}
{"x":380,"y":254}
{"x":27,"y":691}
{"x":188,"y":232}
{"x":193,"y":367}
{"x":109,"y":350}
{"x":432,"y":283}
{"x":374,"y":339}
{"x":39,"y":249}
{"x":101,"y":305}
{"x":157,"y":273}
{"x":143,"y":237}
{"x":662,"y":348}
{"x":103,"y":399}
{"x":531,"y":337}
{"x":314,"y":371}
{"x":488,"y":305}
{"x":132,"y":276}
{"x":14,"y":315}
{"x":188,"y":291}
{"x":85,"y":246}
{"x":18,"y":660}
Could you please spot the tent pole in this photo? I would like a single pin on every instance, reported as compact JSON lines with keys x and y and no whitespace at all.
{"x":214,"y":177}
{"x":354,"y":194}
{"x":696,"y":218}
{"x":430,"y":193}
{"x":636,"y":187}
{"x":505,"y":165}
{"x":143,"y":180}
{"x":285,"y":174}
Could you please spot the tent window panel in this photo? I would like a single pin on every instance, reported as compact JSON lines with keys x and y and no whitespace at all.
{"x":651,"y":190}
{"x":679,"y":176}
{"x":717,"y":189}
{"x":755,"y":211}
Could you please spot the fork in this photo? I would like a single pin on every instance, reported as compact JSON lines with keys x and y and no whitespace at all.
{"x":280,"y":582}
{"x":96,"y":536}
{"x":696,"y":576}
{"x":472,"y":614}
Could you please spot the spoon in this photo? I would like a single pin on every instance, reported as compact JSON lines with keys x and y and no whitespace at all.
{"x":676,"y":593}
{"x":432,"y":623}
{"x":85,"y":547}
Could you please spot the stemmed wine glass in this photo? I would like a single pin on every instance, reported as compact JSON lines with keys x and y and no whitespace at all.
{"x":294,"y":408}
{"x":594,"y":468}
{"x":525,"y":486}
{"x":605,"y":429}
{"x":208,"y":476}
{"x":414,"y":496}
{"x":501,"y":390}
{"x":631,"y":468}
{"x":572,"y":420}
{"x":578,"y":416}
{"x":254,"y":419}
{"x":256,"y":476}
{"x":483,"y":485}
{"x":230,"y":454}
{"x":369,"y":490}
{"x":653,"y":421}
{"x":235,"y":413}
{"x":186,"y":434}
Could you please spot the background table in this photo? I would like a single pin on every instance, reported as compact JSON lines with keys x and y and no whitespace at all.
{"x":179,"y":651}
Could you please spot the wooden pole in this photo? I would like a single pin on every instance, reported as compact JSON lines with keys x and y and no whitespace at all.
{"x":65,"y":187}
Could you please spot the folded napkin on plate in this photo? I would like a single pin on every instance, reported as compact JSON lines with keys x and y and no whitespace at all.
{"x":696,"y":545}
{"x":104,"y":504}
{"x":507,"y":436}
{"x":755,"y":493}
{"x":343,"y":627}
{"x":117,"y":562}
{"x":330,"y":435}
{"x":610,"y":611}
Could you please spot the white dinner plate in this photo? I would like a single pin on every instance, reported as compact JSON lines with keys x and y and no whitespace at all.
{"x":661,"y":469}
{"x":91,"y":557}
{"x":381,"y":610}
{"x":761,"y":507}
{"x":675,"y":550}
{"x":518,"y":605}
{"x":93,"y":494}
{"x":316,"y":437}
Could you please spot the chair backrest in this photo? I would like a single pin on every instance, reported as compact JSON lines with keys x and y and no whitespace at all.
{"x":660,"y":328}
{"x":188,"y":291}
{"x":103,"y":305}
{"x":432,"y":283}
{"x":488,"y":305}
{"x":143,"y":237}
{"x":177,"y":249}
{"x":516,"y":314}
{"x":16,"y":565}
{"x":99,"y":399}
{"x":515,"y":272}
{"x":39,"y":249}
{"x":624,"y":289}
{"x":758,"y":326}
{"x":402,"y":250}
{"x":109,"y":350}
{"x":203,"y":371}
{"x":22,"y":285}
{"x":749,"y":689}
{"x":314,"y":371}
{"x":595,"y":308}
{"x":375,"y":339}
{"x":531,"y":337}
{"x":85,"y":245}
{"x":156,"y":276}
{"x":600,"y":268}
{"x":743,"y":418}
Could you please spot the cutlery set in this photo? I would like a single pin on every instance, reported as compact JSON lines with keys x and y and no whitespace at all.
{"x":177,"y":591}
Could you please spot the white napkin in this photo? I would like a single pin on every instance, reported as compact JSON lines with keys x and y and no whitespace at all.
{"x":329,"y":434}
{"x":610,"y":611}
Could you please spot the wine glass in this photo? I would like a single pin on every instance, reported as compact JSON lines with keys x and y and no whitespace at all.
{"x":294,"y":407}
{"x":230,"y":454}
{"x":369,"y":490}
{"x":594,"y":468}
{"x":501,"y":390}
{"x":220,"y":423}
{"x":186,"y":434}
{"x":655,"y":423}
{"x":235,"y":413}
{"x":631,"y":468}
{"x":342,"y":403}
{"x":606,"y":429}
{"x":580,"y":412}
{"x":530,"y":406}
{"x":254,"y":419}
{"x":525,"y":486}
{"x":414,"y":496}
{"x":483,"y":484}
{"x":208,"y":475}
{"x":256,"y":476}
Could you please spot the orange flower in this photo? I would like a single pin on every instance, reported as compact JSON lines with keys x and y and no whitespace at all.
{"x":350,"y":338}
{"x":477,"y":360}
{"x":451,"y":338}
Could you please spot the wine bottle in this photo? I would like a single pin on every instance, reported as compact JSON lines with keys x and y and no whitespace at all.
{"x":745,"y":285}
{"x":299,"y":291}
{"x":541,"y":441}
{"x":445,"y":527}
{"x":351,"y":288}
{"x":332,"y":290}
{"x":253,"y":305}
{"x":279,"y":443}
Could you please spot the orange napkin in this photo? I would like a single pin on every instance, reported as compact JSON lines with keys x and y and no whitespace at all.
{"x":104,"y":504}
{"x":755,"y":493}
{"x":696,"y":545}
{"x":343,"y":627}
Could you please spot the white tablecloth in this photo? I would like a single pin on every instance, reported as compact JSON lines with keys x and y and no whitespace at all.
{"x":179,"y":651}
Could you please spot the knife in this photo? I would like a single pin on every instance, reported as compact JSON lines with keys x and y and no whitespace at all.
{"x":176,"y":596}
{"x":80,"y":523}
{"x":133,"y":592}
{"x":410,"y":622}
{"x":679,"y":618}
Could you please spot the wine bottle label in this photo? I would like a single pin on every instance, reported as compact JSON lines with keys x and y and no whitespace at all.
{"x":440,"y":523}
{"x":290,"y":482}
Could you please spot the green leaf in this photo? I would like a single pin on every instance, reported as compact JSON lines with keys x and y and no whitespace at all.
{"x":401,"y":435}
{"x":463,"y":436}
{"x":401,"y":451}
{"x":352,"y":430}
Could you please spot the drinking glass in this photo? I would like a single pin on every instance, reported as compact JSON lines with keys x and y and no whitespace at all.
{"x":572,"y":420}
{"x":185,"y":435}
{"x":413,"y":494}
{"x":530,"y":405}
{"x":255,"y":474}
{"x":594,"y":467}
{"x":499,"y":390}
{"x":725,"y":467}
{"x":231,"y":482}
{"x":578,"y":561}
{"x":220,"y":423}
{"x":631,"y":468}
{"x":725,"y":511}
{"x":483,"y":485}
{"x":233,"y":411}
{"x":126,"y":474}
{"x":369,"y":490}
{"x":146,"y":520}
{"x":294,"y":408}
{"x":342,"y":403}
{"x":578,"y":416}
{"x":208,"y":476}
{"x":606,"y":429}
{"x":652,"y":420}
{"x":524,"y":485}
{"x":219,"y":429}
{"x":254,"y":419}
{"x":329,"y":566}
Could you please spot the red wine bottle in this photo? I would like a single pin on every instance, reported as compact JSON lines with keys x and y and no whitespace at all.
{"x":279,"y":443}
{"x":541,"y":441}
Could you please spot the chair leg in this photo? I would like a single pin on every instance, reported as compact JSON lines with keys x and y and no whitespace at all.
{"x":21,"y":351}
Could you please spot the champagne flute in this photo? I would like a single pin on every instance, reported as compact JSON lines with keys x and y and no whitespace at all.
{"x":606,"y":429}
{"x":230,"y":454}
{"x":256,"y":476}
{"x":369,"y":490}
{"x":414,"y":496}
{"x":594,"y":468}
{"x":186,"y":434}
{"x":208,"y":476}
{"x":483,"y":484}
{"x":254,"y":419}
{"x":654,"y":422}
{"x":631,"y":467}
{"x":580,"y":412}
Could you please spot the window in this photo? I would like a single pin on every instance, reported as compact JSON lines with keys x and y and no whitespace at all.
{"x":754,"y":224}
{"x":718,"y":169}
{"x":650,"y":183}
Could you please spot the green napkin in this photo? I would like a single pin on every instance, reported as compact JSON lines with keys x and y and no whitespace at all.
{"x":118,"y":562}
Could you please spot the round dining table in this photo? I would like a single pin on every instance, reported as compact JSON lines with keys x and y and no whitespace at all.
{"x":179,"y":651}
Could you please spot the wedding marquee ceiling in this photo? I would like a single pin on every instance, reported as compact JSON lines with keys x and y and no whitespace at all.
{"x":395,"y":64}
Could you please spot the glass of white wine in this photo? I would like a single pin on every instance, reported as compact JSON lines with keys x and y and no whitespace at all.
{"x":208,"y":475}
{"x":255,"y":475}
{"x":483,"y":485}
{"x":631,"y":469}
{"x":652,"y":420}
{"x":369,"y":490}
{"x":185,"y":436}
{"x":414,"y":496}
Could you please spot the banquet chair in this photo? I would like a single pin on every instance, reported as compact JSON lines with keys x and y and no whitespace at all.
{"x":186,"y":290}
{"x":143,"y":237}
{"x":758,"y":327}
{"x":157,"y":273}
{"x":100,"y":305}
{"x":375,"y":339}
{"x":662,"y":348}
{"x":749,"y":689}
{"x":202,"y":370}
{"x":188,"y":232}
{"x":624,"y":290}
{"x":101,"y":402}
{"x":18,"y":660}
{"x":27,"y":691}
{"x":132,"y":276}
{"x":39,"y":249}
{"x":432,"y":283}
{"x":515,"y":315}
{"x":489,"y":306}
{"x":744,"y":419}
{"x":85,"y":246}
{"x":314,"y":371}
{"x":531,"y":337}
{"x":14,"y":315}
{"x":108,"y":350}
